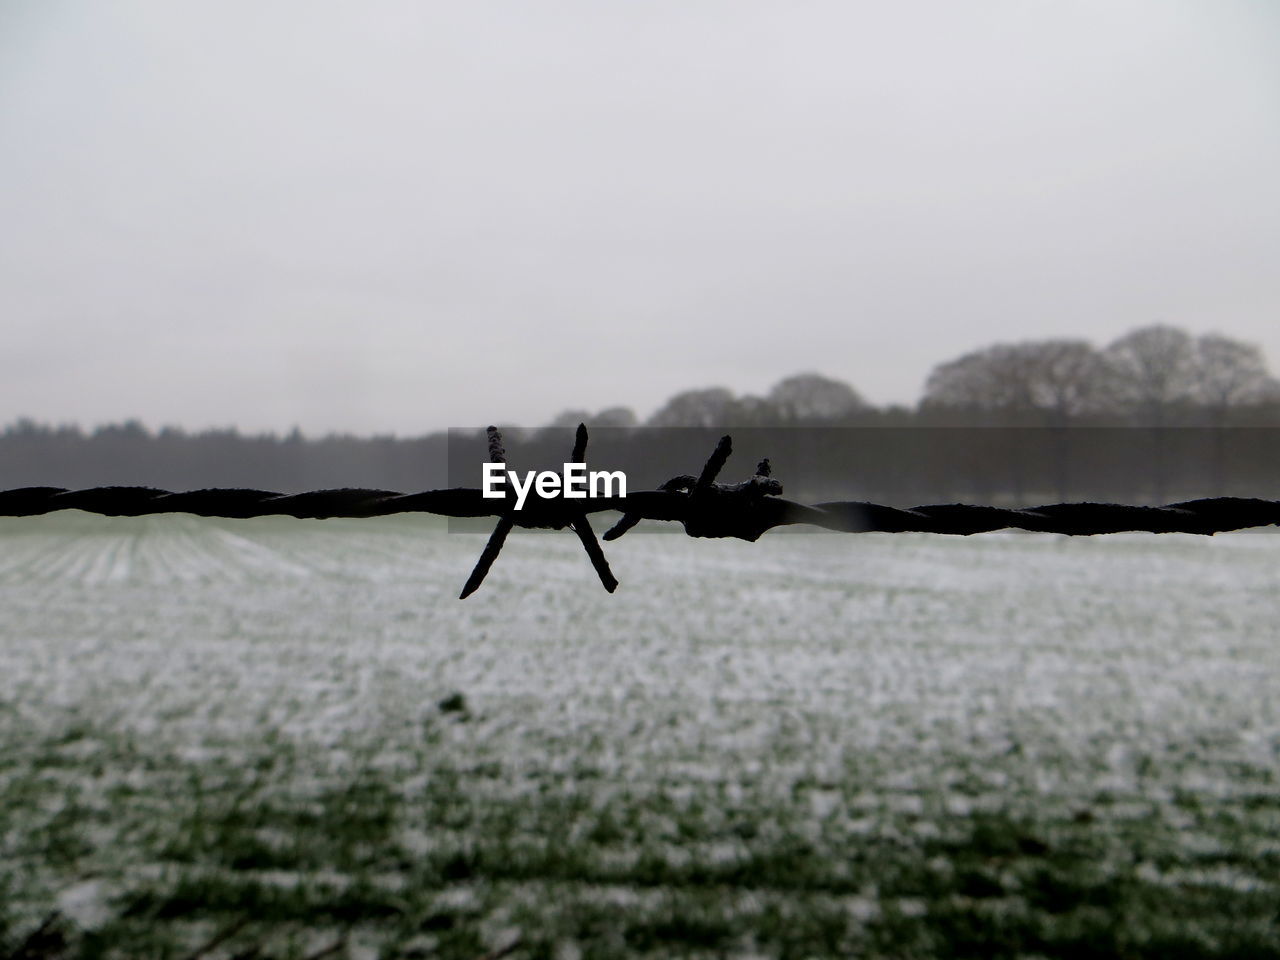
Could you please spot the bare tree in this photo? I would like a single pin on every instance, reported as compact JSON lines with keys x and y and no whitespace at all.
{"x":1227,"y":373}
{"x":750,"y":410}
{"x":1067,"y":378}
{"x":1049,"y":382}
{"x":1153,"y":382}
{"x":710,"y":407}
{"x":1153,"y":372}
{"x":1055,"y":379}
{"x":810,"y":397}
{"x":991,"y":379}
{"x":608,"y":417}
{"x":615,"y":417}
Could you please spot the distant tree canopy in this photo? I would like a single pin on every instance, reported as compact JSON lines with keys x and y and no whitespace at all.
{"x":805,"y":398}
{"x":696,"y":408}
{"x":808,"y":397}
{"x":1152,"y":371}
{"x":608,"y":417}
{"x":1055,"y":379}
{"x":615,"y":417}
{"x":1157,"y":375}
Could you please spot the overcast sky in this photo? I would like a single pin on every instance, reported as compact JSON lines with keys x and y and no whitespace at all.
{"x":404,"y":215}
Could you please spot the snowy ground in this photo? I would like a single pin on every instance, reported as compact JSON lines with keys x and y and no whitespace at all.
{"x":291,"y":732}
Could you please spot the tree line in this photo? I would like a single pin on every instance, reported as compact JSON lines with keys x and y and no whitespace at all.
{"x":1153,"y":376}
{"x":1156,"y":377}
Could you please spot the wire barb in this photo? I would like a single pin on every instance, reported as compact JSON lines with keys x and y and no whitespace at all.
{"x":717,"y":509}
{"x":487,"y":556}
{"x":496,"y":453}
{"x":555,"y":514}
{"x":715,"y":463}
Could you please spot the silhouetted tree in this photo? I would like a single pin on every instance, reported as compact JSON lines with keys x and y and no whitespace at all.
{"x":1067,"y":379}
{"x":811,"y":397}
{"x":1153,"y":373}
{"x":992,"y":379}
{"x":710,"y":407}
{"x":753,"y":411}
{"x":1227,"y":373}
{"x":614,"y":417}
{"x":1044,"y":382}
{"x":1153,"y":382}
{"x":608,"y":417}
{"x":1056,"y":380}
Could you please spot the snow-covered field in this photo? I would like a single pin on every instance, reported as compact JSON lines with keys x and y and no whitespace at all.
{"x":292,"y":733}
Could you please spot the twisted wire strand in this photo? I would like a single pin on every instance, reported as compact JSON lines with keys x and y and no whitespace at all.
{"x":1203,"y":516}
{"x":706,"y":509}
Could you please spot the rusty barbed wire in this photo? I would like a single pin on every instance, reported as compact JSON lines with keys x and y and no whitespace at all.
{"x":704,"y":507}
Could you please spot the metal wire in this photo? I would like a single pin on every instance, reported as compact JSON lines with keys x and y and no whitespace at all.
{"x":705,"y":508}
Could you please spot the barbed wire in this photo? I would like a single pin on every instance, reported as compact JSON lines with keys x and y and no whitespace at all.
{"x":704,"y":507}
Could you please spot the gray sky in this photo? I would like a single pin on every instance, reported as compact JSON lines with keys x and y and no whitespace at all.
{"x":397,"y":216}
